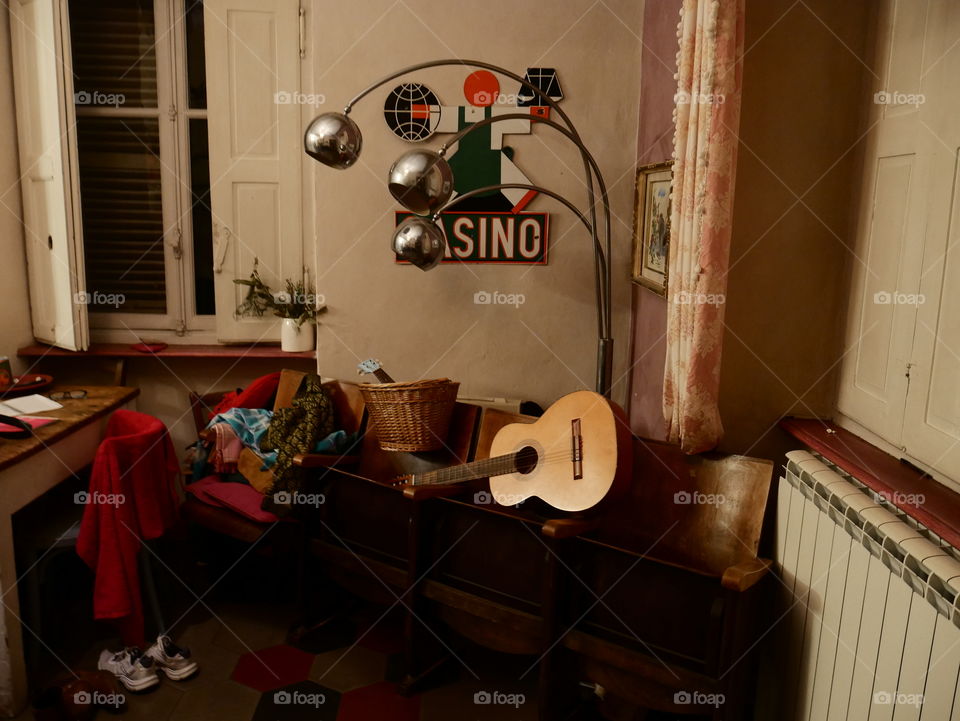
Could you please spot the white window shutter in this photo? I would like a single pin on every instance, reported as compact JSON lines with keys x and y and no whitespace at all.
{"x":253,"y":59}
{"x":47,"y":138}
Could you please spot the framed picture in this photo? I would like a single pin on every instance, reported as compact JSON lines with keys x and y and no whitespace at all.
{"x":651,"y":226}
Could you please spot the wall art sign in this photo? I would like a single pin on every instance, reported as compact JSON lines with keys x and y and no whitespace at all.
{"x":494,"y":227}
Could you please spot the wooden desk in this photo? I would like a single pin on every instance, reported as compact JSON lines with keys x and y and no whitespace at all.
{"x":29,"y":468}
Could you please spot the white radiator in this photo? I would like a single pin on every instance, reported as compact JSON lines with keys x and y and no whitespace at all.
{"x":869,"y":607}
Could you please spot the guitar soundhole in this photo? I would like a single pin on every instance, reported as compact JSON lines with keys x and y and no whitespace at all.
{"x":526,"y":459}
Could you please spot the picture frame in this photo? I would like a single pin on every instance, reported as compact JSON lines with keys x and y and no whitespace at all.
{"x":651,"y":226}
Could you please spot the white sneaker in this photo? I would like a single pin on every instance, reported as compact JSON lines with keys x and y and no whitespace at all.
{"x":174,"y":661}
{"x":134,"y":670}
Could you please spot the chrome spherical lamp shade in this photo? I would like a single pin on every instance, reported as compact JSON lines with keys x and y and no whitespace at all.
{"x":421,"y":181}
{"x":419,"y":241}
{"x":334,"y":140}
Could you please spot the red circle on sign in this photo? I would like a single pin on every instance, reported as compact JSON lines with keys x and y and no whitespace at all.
{"x":481,"y":88}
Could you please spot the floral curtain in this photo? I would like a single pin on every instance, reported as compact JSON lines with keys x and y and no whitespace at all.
{"x":705,"y":158}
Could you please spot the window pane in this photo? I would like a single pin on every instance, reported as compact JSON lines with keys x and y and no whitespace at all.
{"x":196,"y":64}
{"x":114,"y":61}
{"x":202,"y":220}
{"x":122,"y":214}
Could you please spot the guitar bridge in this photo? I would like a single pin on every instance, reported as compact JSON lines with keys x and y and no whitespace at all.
{"x":577,"y":455}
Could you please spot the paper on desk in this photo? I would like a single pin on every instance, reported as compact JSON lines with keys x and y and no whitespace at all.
{"x":28,"y":404}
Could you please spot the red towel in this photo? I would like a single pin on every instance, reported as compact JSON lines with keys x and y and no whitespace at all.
{"x":257,"y":395}
{"x":131,"y":497}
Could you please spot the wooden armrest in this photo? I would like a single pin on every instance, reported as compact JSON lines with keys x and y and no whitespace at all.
{"x":206,"y":434}
{"x":324,"y":460}
{"x":422,"y":493}
{"x":568,"y":527}
{"x":745,"y":574}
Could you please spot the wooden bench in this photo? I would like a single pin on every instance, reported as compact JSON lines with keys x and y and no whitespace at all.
{"x":657,"y":599}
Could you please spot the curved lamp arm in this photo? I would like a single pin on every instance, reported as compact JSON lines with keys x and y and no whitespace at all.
{"x":605,"y":344}
{"x":603,"y":295}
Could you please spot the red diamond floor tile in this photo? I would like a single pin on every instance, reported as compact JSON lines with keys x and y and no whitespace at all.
{"x":273,"y":667}
{"x":378,"y":701}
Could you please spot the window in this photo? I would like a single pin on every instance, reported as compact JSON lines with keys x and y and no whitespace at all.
{"x":158,"y":163}
{"x":901,"y":373}
{"x":144,"y":179}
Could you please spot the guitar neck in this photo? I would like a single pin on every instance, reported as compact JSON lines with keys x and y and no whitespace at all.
{"x":497,"y":466}
{"x":383,"y":376}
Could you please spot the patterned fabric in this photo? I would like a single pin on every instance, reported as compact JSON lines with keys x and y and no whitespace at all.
{"x":233,"y":429}
{"x":249,"y":424}
{"x":705,"y":156}
{"x":296,"y":430}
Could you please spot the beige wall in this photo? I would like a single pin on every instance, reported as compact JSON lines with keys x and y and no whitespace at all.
{"x":15,"y":328}
{"x":802,"y":85}
{"x":426,"y":324}
{"x":800,"y":123}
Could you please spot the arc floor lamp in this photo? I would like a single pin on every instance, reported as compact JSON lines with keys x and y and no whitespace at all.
{"x":422,"y":181}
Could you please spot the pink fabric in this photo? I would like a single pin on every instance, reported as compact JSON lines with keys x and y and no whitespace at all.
{"x":705,"y":158}
{"x":238,"y":497}
{"x":131,"y":498}
{"x":226,"y":449}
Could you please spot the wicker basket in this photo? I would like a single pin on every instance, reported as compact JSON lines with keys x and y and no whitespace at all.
{"x":411,"y":416}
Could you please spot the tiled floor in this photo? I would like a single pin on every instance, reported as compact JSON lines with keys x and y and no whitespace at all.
{"x":249,"y":673}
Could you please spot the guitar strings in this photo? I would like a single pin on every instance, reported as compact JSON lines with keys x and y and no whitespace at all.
{"x":497,"y":466}
{"x":552,"y":457}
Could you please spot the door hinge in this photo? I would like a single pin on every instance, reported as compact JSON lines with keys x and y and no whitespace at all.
{"x":172,"y":112}
{"x":181,"y":328}
{"x":303,"y":33}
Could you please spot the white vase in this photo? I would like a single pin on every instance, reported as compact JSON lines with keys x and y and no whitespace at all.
{"x":294,"y":338}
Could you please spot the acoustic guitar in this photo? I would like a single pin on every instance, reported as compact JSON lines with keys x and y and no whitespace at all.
{"x":572,"y":457}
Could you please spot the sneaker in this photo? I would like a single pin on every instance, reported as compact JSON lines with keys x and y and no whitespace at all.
{"x":131,"y":667}
{"x":174,"y":661}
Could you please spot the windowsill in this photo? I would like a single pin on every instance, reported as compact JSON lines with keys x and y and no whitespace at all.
{"x":903,"y":484}
{"x":125,"y":350}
